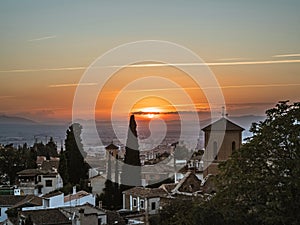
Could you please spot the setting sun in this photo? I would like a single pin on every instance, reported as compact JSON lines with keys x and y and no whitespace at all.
{"x":151,"y":110}
{"x":150,"y":115}
{"x":152,"y":107}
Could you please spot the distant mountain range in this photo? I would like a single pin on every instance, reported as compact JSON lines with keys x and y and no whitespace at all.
{"x":246,"y":121}
{"x":243,"y":121}
{"x":15,"y":120}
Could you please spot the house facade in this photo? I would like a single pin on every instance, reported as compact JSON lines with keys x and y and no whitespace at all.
{"x":143,"y":199}
{"x":38,"y":181}
{"x":79,"y":198}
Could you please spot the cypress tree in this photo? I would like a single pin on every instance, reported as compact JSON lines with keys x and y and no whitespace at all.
{"x":76,"y":166}
{"x":131,"y":170}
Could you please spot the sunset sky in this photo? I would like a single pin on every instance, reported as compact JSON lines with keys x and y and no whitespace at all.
{"x":252,"y":47}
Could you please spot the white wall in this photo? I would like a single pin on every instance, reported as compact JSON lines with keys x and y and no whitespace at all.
{"x":56,"y":183}
{"x":81,"y":201}
{"x":3,"y":214}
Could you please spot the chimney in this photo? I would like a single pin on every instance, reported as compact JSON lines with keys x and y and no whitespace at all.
{"x":100,"y":204}
{"x":74,"y":190}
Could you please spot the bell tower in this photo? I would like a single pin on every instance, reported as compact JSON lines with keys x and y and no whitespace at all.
{"x":221,"y":139}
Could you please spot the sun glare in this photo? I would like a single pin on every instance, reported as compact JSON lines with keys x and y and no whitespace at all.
{"x":151,"y":110}
{"x":150,"y":116}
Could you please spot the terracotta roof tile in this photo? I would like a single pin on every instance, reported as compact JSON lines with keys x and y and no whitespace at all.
{"x":10,"y":200}
{"x":49,"y":195}
{"x":49,"y":165}
{"x":78,"y":195}
{"x":146,"y":192}
{"x":29,"y":200}
{"x":47,"y":217}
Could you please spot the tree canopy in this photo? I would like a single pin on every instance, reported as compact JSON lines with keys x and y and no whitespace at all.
{"x":260,"y":183}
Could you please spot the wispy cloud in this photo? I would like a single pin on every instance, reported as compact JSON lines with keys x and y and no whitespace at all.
{"x":214,"y":87}
{"x":287,"y":55}
{"x":159,"y":65}
{"x":216,"y":63}
{"x":43,"y":38}
{"x":257,"y":86}
{"x":43,"y":69}
{"x":71,"y":85}
{"x":232,"y":59}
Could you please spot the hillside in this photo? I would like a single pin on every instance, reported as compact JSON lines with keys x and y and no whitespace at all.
{"x":15,"y":120}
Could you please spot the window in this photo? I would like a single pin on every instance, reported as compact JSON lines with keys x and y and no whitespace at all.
{"x":0,"y":211}
{"x":215,"y":146}
{"x":39,"y":178}
{"x":142,"y":204}
{"x":134,"y":202}
{"x":233,"y":147}
{"x":153,"y":205}
{"x":48,"y":183}
{"x":99,"y":221}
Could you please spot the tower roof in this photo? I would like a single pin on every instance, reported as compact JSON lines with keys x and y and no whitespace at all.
{"x":222,"y":123}
{"x":111,"y":146}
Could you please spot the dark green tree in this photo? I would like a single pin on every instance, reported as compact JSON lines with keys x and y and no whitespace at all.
{"x":177,"y":211}
{"x":51,"y":149}
{"x":260,"y":184}
{"x":31,"y":156}
{"x":11,"y":162}
{"x":77,"y":168}
{"x":131,"y":170}
{"x":63,"y":168}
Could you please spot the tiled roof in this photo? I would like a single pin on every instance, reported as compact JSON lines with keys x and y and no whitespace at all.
{"x":47,"y":217}
{"x":31,"y":172}
{"x":34,"y":172}
{"x":175,"y":188}
{"x":222,"y":124}
{"x":10,"y":200}
{"x":146,"y":192}
{"x":49,"y":195}
{"x":157,"y":169}
{"x":111,"y":147}
{"x":88,"y":209}
{"x":168,"y":187}
{"x":29,"y":200}
{"x":48,"y":165}
{"x":78,"y":195}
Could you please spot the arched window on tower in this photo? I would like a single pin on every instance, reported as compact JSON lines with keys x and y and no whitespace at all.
{"x":215,"y":147}
{"x":233,"y":146}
